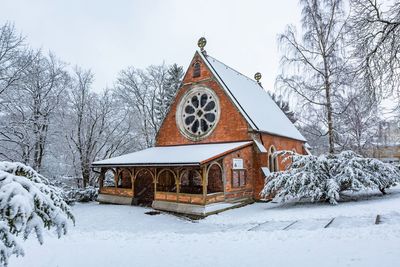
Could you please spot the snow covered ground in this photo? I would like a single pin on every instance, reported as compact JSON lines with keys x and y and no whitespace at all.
{"x":262,"y":234}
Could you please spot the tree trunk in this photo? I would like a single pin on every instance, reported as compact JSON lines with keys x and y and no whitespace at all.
{"x":330,"y":124}
{"x":382,"y":189}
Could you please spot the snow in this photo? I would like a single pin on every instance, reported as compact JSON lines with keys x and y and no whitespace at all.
{"x":27,"y":204}
{"x":256,"y":104}
{"x":109,"y":235}
{"x":185,"y":154}
{"x":265,"y":171}
{"x":260,"y":146}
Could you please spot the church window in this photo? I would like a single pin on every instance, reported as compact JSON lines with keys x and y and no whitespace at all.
{"x":272,"y":160}
{"x":198,"y":113}
{"x":196,"y":70}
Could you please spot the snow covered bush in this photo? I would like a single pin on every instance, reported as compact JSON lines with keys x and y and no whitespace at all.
{"x":81,"y":194}
{"x":28,"y":203}
{"x":325,"y":177}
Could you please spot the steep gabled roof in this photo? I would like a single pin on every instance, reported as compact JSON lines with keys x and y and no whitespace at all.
{"x":256,"y":105}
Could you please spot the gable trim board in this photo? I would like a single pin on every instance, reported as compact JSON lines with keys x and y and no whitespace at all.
{"x":279,"y":126}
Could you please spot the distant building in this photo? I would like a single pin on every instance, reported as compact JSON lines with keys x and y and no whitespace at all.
{"x":387,"y":147}
{"x":388,"y":153}
{"x":213,"y":149}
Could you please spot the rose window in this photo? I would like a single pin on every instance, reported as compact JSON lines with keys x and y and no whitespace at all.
{"x":198,"y":113}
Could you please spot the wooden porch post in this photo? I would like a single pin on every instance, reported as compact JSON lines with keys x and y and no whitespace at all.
{"x":116,"y":174}
{"x":155,"y":182}
{"x":178,"y":184}
{"x":133,"y":181}
{"x":101,"y":177}
{"x":204,"y":178}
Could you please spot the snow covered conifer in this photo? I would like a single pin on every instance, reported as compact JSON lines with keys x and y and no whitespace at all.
{"x":324,"y":177}
{"x":170,"y":86}
{"x":28,"y":203}
{"x":284,"y":106}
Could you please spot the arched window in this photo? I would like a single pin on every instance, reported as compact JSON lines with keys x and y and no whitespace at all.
{"x":196,"y":70}
{"x":272,"y":160}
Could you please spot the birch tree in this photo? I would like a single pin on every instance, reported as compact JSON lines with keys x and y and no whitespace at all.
{"x":313,"y":64}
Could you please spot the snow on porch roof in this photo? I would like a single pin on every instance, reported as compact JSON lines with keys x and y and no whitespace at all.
{"x":257,"y":106}
{"x":173,"y":155}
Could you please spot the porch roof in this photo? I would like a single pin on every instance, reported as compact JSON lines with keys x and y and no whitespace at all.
{"x":188,"y":155}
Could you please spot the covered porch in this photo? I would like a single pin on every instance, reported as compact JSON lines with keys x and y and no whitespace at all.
{"x":186,"y":179}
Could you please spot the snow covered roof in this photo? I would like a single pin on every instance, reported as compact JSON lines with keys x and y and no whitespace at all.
{"x":173,"y":155}
{"x":260,"y":146}
{"x":265,"y":171}
{"x":257,"y":106}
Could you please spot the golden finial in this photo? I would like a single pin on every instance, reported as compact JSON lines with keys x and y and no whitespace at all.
{"x":202,"y":43}
{"x":257,"y":77}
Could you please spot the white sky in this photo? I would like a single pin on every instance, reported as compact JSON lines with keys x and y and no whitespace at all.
{"x":107,"y":36}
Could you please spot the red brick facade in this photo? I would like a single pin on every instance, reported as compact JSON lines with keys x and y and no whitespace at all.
{"x":232,"y":127}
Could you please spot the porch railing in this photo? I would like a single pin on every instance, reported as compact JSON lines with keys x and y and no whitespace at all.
{"x":125,"y":192}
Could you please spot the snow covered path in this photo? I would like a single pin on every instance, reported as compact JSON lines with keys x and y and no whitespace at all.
{"x":108,"y":235}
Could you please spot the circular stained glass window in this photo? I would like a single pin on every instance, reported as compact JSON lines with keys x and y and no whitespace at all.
{"x":198,"y":113}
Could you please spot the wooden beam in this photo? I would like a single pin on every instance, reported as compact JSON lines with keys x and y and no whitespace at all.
{"x":204,"y":175}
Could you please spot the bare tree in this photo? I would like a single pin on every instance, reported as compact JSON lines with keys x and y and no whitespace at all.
{"x":147,"y":94}
{"x":14,"y":56}
{"x":358,"y":126}
{"x":313,"y":65}
{"x":374,"y":27}
{"x":95,"y":126}
{"x":29,"y":106}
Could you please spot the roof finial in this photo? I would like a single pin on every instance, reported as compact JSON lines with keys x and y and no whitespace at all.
{"x":257,"y":77}
{"x":201,"y":43}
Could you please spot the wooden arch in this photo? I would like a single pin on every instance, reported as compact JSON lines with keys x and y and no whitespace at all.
{"x":215,"y":183}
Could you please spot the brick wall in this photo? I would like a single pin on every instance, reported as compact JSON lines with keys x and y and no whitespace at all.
{"x":248,"y":163}
{"x":231,"y":126}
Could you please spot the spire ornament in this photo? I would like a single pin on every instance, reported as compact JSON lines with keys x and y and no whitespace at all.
{"x":257,"y":77}
{"x":201,"y":43}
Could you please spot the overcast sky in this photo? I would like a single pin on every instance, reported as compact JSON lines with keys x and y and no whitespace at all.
{"x":107,"y":36}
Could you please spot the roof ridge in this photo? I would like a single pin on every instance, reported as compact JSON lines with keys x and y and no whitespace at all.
{"x":238,"y":72}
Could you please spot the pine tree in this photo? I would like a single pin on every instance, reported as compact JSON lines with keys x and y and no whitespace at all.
{"x":171,"y":85}
{"x":284,"y":106}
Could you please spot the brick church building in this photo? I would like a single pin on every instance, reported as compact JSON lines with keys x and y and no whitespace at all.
{"x":213,"y":149}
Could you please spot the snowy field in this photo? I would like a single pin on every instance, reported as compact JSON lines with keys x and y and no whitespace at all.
{"x":262,"y":234}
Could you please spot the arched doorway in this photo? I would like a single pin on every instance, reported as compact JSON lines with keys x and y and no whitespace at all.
{"x":190,"y":182}
{"x":166,"y":181}
{"x":144,"y":188}
{"x":215,"y":180}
